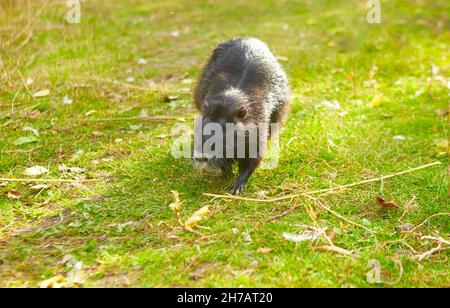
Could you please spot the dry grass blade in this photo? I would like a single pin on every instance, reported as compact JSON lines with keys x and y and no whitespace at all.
{"x":333,"y":248}
{"x":323,"y":206}
{"x":426,"y":220}
{"x":49,"y":180}
{"x":136,"y":87}
{"x":30,"y":22}
{"x":155,"y":118}
{"x":176,"y":208}
{"x":285,"y":213}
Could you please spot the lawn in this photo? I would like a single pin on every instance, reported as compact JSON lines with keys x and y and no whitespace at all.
{"x":370,"y":100}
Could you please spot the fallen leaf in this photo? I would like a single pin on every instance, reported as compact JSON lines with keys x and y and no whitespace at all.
{"x":121,"y":227}
{"x":335,"y":249}
{"x":399,"y":137}
{"x":309,"y":235}
{"x":33,"y":114}
{"x":170,"y":98}
{"x":298,"y":237}
{"x":97,"y":134}
{"x":247,"y":237}
{"x":197,"y":274}
{"x":142,"y":61}
{"x":176,"y":204}
{"x":143,"y":113}
{"x":39,"y":187}
{"x":41,"y":93}
{"x":35,"y":171}
{"x":52,"y":283}
{"x":331,"y":234}
{"x":14,"y":195}
{"x":64,"y":168}
{"x":264,"y":250}
{"x":389,"y":204}
{"x":3,"y":184}
{"x":442,"y":145}
{"x":103,"y":175}
{"x":162,"y":136}
{"x":67,"y":100}
{"x":434,"y":69}
{"x":334,"y":105}
{"x":175,"y":33}
{"x":130,"y":79}
{"x":31,"y":129}
{"x":282,"y":58}
{"x":66,"y":259}
{"x":441,"y":112}
{"x":404,"y":228}
{"x":332,"y":175}
{"x":135,"y":127}
{"x":377,"y":101}
{"x":261,"y":194}
{"x":198,"y":215}
{"x":25,"y":140}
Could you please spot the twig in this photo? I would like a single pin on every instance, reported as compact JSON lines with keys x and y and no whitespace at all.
{"x":29,"y":37}
{"x":15,"y":105}
{"x":155,"y":118}
{"x":251,"y":199}
{"x":334,"y":248}
{"x":438,"y":239}
{"x":406,"y":208}
{"x":325,"y":190}
{"x":428,"y":253}
{"x":331,"y":246}
{"x":285,"y":213}
{"x":9,"y":225}
{"x":136,"y":87}
{"x":25,"y":84}
{"x":426,"y":220}
{"x":48,"y":180}
{"x":338,"y":215}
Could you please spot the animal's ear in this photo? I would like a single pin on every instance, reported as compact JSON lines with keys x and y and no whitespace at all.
{"x":242,"y":112}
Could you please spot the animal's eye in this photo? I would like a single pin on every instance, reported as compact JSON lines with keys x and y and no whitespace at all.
{"x":242,"y":113}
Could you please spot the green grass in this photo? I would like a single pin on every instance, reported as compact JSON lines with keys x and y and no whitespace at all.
{"x":332,"y":54}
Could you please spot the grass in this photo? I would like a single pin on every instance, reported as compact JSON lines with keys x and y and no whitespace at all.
{"x":122,"y":229}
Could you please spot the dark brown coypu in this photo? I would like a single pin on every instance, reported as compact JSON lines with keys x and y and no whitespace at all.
{"x":242,"y":84}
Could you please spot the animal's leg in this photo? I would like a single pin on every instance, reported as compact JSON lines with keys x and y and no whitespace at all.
{"x":246,"y":169}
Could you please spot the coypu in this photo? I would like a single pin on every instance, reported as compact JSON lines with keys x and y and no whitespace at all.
{"x":242,"y":84}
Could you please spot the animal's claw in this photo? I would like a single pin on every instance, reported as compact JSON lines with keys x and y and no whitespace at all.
{"x":237,"y":189}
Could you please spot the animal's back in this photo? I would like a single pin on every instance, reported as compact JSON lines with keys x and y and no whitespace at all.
{"x":248,"y":65}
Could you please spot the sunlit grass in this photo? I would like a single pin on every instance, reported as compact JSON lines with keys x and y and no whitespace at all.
{"x":121,"y":227}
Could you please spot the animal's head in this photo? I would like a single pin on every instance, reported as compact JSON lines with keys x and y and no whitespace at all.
{"x":221,"y":116}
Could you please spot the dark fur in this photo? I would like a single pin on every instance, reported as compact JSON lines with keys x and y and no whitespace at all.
{"x":242,"y":82}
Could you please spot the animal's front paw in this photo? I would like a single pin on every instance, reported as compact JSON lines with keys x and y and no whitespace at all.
{"x":238,"y":188}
